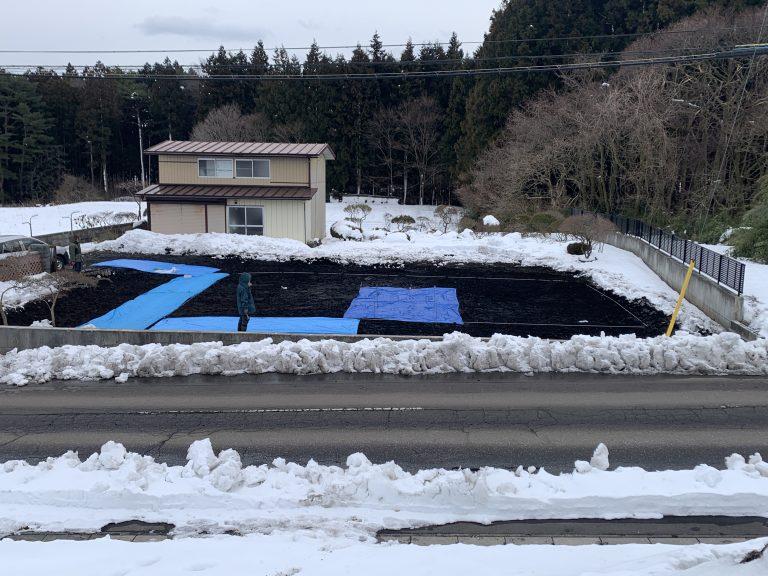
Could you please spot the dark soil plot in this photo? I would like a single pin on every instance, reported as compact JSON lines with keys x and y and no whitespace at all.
{"x":81,"y":305}
{"x":492,"y":299}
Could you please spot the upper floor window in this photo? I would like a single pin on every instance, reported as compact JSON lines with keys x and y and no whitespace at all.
{"x":251,"y":168}
{"x":214,"y":168}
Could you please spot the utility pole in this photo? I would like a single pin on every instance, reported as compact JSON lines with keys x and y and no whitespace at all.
{"x":141,"y":141}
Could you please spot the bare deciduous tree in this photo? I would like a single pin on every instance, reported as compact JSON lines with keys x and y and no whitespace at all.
{"x":227,"y":124}
{"x":588,"y":229}
{"x":52,"y":286}
{"x":448,"y":216}
{"x":384,"y":134}
{"x":419,"y":120}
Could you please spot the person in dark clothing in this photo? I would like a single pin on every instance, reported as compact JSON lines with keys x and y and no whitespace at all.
{"x":245,"y":305}
{"x":76,"y":253}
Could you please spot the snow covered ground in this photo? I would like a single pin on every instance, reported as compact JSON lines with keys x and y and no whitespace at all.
{"x":334,"y":211}
{"x":681,"y":354}
{"x":308,"y":555}
{"x":613,"y":269}
{"x":216,"y":493}
{"x":55,"y":218}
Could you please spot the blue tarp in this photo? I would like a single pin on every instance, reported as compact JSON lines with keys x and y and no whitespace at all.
{"x":143,"y":311}
{"x":156,"y":267}
{"x":293,"y":325}
{"x":433,"y":305}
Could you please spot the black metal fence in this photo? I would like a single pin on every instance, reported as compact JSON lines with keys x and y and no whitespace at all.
{"x":723,"y":269}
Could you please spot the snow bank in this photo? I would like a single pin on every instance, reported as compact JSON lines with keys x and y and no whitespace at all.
{"x":55,"y":218}
{"x":218,"y":493}
{"x":613,"y":269}
{"x":306,"y":554}
{"x":491,"y":220}
{"x":682,"y":354}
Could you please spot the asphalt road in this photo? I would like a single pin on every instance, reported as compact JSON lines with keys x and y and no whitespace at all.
{"x":448,"y":421}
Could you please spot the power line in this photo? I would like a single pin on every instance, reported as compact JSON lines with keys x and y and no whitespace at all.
{"x":404,"y":75}
{"x":391,"y":64}
{"x":415,"y":44}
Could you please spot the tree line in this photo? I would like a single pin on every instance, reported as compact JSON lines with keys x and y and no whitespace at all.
{"x":416,"y":137}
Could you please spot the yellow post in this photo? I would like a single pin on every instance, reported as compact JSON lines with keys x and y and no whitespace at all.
{"x":681,"y":298}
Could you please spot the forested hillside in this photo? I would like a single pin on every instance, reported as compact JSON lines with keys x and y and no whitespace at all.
{"x":421,"y":133}
{"x":683,"y":145}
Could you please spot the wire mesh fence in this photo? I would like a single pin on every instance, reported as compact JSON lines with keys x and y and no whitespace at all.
{"x":723,"y":269}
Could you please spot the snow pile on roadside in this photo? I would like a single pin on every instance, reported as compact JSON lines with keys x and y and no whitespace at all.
{"x":306,"y":554}
{"x":219,"y":493}
{"x":683,"y":353}
{"x":613,"y":269}
{"x":55,"y":218}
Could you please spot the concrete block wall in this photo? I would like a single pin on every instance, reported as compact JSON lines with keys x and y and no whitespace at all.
{"x":99,"y":234}
{"x":721,"y":304}
{"x":26,"y":337}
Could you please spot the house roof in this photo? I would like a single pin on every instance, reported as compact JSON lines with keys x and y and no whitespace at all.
{"x":205,"y":192}
{"x":241,"y":149}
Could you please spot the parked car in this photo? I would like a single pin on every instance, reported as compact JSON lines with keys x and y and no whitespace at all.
{"x":56,"y":258}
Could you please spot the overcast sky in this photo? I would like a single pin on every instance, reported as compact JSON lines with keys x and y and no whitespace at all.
{"x":205,"y":24}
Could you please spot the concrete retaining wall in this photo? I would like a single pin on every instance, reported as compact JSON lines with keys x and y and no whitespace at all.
{"x":99,"y":234}
{"x":716,"y":301}
{"x":26,"y":337}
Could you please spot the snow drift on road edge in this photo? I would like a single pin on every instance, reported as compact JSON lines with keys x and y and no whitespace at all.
{"x":683,"y":353}
{"x":217,"y":493}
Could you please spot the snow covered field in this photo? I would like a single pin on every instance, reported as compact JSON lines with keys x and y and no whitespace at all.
{"x":55,"y":218}
{"x":307,"y":555}
{"x":318,"y":519}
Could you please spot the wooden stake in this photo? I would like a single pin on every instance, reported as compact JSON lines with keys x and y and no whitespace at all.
{"x":681,"y":298}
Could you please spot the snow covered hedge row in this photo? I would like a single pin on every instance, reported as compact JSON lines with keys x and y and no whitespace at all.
{"x":216,"y":492}
{"x":682,"y":354}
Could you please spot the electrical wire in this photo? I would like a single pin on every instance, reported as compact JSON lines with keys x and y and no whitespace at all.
{"x":391,"y":64}
{"x":415,"y":44}
{"x":405,"y":75}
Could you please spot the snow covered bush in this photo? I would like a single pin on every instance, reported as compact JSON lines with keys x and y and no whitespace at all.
{"x":491,"y":220}
{"x":357,"y":213}
{"x":345,"y":230}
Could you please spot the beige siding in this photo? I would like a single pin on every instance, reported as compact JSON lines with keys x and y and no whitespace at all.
{"x":318,"y":201}
{"x":217,"y":218}
{"x":183,"y":170}
{"x":282,"y":218}
{"x":177,"y":218}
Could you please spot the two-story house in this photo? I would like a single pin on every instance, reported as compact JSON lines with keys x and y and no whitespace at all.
{"x":250,"y":188}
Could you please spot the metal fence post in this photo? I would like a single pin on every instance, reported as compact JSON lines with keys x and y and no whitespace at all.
{"x":720,"y":269}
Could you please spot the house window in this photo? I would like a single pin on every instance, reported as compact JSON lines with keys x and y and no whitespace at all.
{"x":214,"y":168}
{"x":252,"y":168}
{"x":247,"y":220}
